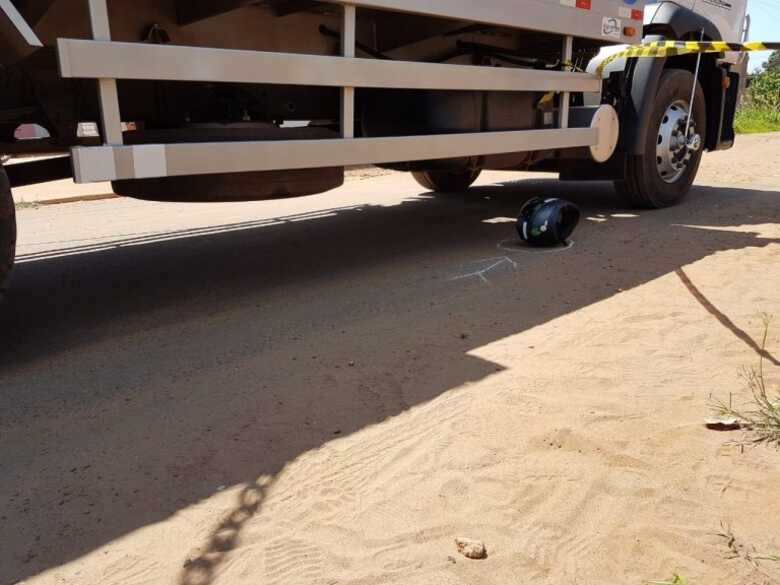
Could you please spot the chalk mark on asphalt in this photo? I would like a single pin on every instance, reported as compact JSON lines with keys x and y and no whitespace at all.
{"x":493,"y":264}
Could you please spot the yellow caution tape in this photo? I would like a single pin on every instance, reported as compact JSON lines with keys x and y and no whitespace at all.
{"x":674,"y":48}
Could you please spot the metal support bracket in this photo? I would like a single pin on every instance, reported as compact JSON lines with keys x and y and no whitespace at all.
{"x":568,"y":51}
{"x":111,"y":119}
{"x":348,"y":27}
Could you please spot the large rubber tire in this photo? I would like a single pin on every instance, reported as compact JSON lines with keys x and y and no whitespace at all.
{"x":7,"y":231}
{"x":643,"y":185}
{"x":446,"y":181}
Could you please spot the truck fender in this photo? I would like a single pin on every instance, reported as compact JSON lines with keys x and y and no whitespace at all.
{"x":672,"y":22}
{"x":635,"y":113}
{"x":676,"y":22}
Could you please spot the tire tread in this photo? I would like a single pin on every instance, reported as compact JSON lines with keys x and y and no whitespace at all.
{"x":637,"y":187}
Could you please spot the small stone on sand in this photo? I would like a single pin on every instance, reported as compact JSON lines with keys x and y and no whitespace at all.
{"x":471,"y":549}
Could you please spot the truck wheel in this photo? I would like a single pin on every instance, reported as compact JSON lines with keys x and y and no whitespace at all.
{"x":7,"y":231}
{"x":664,"y":174}
{"x":446,"y":181}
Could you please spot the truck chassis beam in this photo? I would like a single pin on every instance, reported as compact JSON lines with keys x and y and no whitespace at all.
{"x":108,"y":163}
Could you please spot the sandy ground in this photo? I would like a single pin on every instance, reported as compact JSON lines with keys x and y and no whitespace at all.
{"x":53,"y":192}
{"x":330,"y":390}
{"x":68,"y":191}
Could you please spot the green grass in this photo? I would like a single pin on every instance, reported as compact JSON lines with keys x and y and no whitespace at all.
{"x":760,"y":415}
{"x":675,"y":580}
{"x":753,"y":120}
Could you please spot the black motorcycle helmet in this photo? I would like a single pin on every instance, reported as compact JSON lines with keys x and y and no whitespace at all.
{"x":547,"y":222}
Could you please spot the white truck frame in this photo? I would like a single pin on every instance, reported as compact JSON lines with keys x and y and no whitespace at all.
{"x":107,"y":61}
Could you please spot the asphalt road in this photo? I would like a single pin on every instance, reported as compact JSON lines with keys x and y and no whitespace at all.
{"x":143,"y":345}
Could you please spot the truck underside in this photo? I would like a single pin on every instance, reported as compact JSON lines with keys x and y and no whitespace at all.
{"x":225,"y":100}
{"x":36,"y":90}
{"x":187,"y":112}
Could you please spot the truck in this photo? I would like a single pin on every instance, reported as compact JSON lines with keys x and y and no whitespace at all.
{"x":235,"y":100}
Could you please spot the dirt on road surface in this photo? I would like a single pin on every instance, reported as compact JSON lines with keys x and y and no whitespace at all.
{"x":331,"y":390}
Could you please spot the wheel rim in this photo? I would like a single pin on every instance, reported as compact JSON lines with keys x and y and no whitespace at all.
{"x":674,"y":151}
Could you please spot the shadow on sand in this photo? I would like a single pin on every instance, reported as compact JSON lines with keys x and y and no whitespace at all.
{"x":138,"y":376}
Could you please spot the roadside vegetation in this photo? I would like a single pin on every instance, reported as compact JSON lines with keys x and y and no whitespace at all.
{"x":675,"y":580}
{"x":738,"y":549}
{"x":760,"y":563}
{"x":760,"y":107}
{"x":760,"y":415}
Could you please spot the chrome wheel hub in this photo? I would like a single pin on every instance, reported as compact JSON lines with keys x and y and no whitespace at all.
{"x":674,"y":150}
